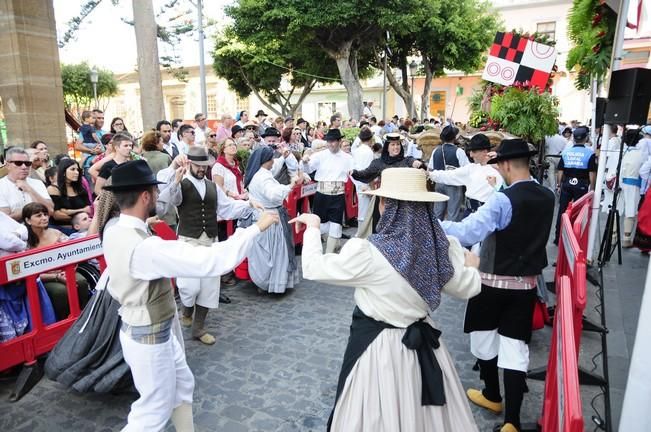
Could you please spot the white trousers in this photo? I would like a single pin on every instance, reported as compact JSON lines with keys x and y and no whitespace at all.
{"x":511,"y":353}
{"x":201,"y":291}
{"x":163,"y":379}
{"x":333,"y":230}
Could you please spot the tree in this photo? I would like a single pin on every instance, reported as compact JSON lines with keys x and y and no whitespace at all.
{"x":261,"y":63}
{"x":343,"y":30}
{"x":446,"y":35}
{"x":78,"y":90}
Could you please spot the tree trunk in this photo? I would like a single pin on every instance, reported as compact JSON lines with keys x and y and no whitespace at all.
{"x":402,"y":90}
{"x":346,"y":59}
{"x":151,"y":89}
{"x":425,"y":99}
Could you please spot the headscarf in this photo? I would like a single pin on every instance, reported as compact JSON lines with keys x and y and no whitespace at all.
{"x":260,"y":155}
{"x":390,"y":160}
{"x":412,"y":240}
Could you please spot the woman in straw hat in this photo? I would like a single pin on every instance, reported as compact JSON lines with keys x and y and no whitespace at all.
{"x":396,"y":374}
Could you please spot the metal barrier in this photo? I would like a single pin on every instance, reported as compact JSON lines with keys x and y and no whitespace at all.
{"x":562,"y":411}
{"x":27,"y":266}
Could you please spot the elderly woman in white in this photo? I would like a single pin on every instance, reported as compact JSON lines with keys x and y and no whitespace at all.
{"x":272,"y":259}
{"x":397,"y":374}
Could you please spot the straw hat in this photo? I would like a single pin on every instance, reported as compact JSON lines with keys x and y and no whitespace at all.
{"x":406,"y":184}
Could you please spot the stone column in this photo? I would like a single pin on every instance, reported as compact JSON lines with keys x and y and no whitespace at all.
{"x":30,"y":75}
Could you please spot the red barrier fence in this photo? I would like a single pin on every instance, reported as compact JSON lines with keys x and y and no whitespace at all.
{"x":298,"y":202}
{"x":351,"y":200}
{"x":27,"y":266}
{"x":562,"y":411}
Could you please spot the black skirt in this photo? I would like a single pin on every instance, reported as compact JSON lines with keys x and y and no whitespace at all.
{"x":509,"y":311}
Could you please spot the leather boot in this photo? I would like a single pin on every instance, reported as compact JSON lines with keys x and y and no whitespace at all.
{"x":182,"y":418}
{"x":198,"y":331}
{"x":186,"y":315}
{"x":331,"y":244}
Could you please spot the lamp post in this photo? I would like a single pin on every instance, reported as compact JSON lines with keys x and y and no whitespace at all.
{"x":94,"y":76}
{"x":413,"y":67}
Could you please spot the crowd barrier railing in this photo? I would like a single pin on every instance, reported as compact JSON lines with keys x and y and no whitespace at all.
{"x":298,"y":202}
{"x":27,"y":266}
{"x":562,"y":410}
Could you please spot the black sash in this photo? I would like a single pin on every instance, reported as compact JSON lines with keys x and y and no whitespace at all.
{"x":419,"y":336}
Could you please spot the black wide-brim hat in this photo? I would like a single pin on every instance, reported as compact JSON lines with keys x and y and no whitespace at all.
{"x":333,"y":135}
{"x":132,"y":175}
{"x":479,"y":142}
{"x":270,"y":131}
{"x":512,"y":149}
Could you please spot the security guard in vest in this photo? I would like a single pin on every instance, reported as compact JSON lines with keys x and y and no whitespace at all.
{"x":576,"y":173}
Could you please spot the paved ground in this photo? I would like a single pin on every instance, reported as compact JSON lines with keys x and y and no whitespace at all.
{"x":276,"y":362}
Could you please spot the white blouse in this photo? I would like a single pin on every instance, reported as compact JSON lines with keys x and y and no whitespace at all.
{"x":266,"y":190}
{"x":380,"y":291}
{"x":230,"y":181}
{"x":473,"y":177}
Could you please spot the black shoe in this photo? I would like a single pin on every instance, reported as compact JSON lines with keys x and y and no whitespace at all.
{"x":224,"y":299}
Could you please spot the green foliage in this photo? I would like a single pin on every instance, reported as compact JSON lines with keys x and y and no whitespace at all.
{"x":526,"y":113}
{"x":243,"y":155}
{"x":591,"y":26}
{"x":77,"y":88}
{"x":350,"y":133}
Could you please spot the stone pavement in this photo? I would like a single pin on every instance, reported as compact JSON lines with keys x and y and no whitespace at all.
{"x":275,"y":366}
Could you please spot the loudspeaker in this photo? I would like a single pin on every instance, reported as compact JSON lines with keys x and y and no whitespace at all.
{"x":600,"y":111}
{"x":629,"y":96}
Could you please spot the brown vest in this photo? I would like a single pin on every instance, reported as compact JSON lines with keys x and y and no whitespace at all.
{"x":197,"y":215}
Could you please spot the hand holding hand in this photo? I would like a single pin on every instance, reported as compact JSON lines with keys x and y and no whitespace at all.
{"x":256,"y":205}
{"x":471,"y":260}
{"x":179,"y":173}
{"x":308,"y":219}
{"x":417,"y":164}
{"x":180,"y":161}
{"x":266,"y":220}
{"x":492,"y":180}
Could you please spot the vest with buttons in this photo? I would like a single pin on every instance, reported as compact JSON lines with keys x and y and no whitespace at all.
{"x":198,"y":215}
{"x":450,"y":152}
{"x":520,"y":248}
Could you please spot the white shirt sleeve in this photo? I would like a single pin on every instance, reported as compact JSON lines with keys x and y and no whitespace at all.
{"x":466,"y":281}
{"x":463,"y":158}
{"x":353,"y":263}
{"x":156,"y":258}
{"x":39,"y":188}
{"x":274,"y":191}
{"x":229,"y":208}
{"x":456,"y":177}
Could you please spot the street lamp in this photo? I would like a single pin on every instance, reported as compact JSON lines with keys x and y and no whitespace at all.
{"x":94,"y":76}
{"x":413,"y":67}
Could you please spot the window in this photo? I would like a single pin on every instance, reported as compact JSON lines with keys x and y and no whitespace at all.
{"x":325,"y":110}
{"x":211,"y":106}
{"x":242,"y":104}
{"x":547,"y":28}
{"x":437,"y":103}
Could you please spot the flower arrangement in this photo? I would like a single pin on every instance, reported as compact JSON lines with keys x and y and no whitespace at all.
{"x":591,"y":26}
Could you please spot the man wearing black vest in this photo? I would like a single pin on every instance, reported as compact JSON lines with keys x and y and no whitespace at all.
{"x":199,"y":203}
{"x":448,"y":156}
{"x":513,"y":226}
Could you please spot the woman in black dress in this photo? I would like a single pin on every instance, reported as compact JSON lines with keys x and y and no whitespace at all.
{"x":68,"y":194}
{"x":393,"y":156}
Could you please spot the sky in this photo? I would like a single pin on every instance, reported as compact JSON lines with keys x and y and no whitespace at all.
{"x":105,"y":41}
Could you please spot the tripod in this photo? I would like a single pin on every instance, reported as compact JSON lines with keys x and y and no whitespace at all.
{"x":607,"y":247}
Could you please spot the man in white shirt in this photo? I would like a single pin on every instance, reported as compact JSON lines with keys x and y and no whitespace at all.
{"x":368,"y":109}
{"x":17,"y":189}
{"x":139,"y":267}
{"x":199,"y":203}
{"x":362,"y":158}
{"x":554,"y":146}
{"x":186,"y":136}
{"x":332,"y":168}
{"x":201,"y":129}
{"x":284,"y":160}
{"x":13,"y":235}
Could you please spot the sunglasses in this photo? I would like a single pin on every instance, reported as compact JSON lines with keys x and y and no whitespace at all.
{"x":251,"y":128}
{"x":190,"y":132}
{"x":212,"y":136}
{"x":118,"y":124}
{"x":21,"y":163}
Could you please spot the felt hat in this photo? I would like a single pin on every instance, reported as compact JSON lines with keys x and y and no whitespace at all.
{"x":365,"y":134}
{"x":301,"y":120}
{"x":199,"y":156}
{"x":270,"y":131}
{"x":479,"y":142}
{"x":131,"y":175}
{"x":512,"y":149}
{"x":235,"y":129}
{"x":333,"y":135}
{"x":449,"y":133}
{"x":406,"y":184}
{"x":261,"y":113}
